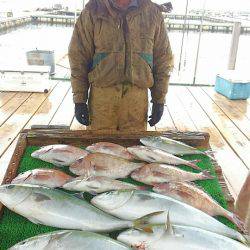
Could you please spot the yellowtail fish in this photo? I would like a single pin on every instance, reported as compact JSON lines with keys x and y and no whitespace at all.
{"x":55,"y":208}
{"x":178,"y":238}
{"x":171,"y":146}
{"x":132,"y":204}
{"x":67,"y":239}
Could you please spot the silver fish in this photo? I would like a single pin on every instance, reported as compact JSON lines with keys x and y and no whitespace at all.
{"x":59,"y":154}
{"x":52,"y":207}
{"x":178,"y":238}
{"x":170,"y":146}
{"x":99,"y":164}
{"x":111,"y":149}
{"x":159,"y":173}
{"x":130,"y":205}
{"x":154,"y":155}
{"x":196,"y":197}
{"x":67,"y":239}
{"x":41,"y":176}
{"x":98,"y":184}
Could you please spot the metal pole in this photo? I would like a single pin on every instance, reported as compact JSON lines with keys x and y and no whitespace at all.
{"x":234,"y":46}
{"x":198,"y":48}
{"x":183,"y":33}
{"x":75,"y":12}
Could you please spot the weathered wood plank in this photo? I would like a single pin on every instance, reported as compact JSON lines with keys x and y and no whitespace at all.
{"x":5,"y":159}
{"x":237,"y":140}
{"x":11,"y":106}
{"x":47,"y":110}
{"x":230,"y":108}
{"x":233,"y":168}
{"x":10,"y":129}
{"x":65,"y":113}
{"x":5,"y":97}
{"x":180,"y":117}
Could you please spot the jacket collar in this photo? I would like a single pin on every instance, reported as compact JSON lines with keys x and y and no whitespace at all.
{"x":103,"y":8}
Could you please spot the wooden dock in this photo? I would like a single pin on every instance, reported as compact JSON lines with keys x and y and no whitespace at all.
{"x":14,"y":22}
{"x":187,"y":109}
{"x":171,"y":24}
{"x":174,"y":22}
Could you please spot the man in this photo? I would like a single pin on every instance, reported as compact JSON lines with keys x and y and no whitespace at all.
{"x":118,"y":50}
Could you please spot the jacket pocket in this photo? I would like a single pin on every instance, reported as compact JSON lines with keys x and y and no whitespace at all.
{"x":104,"y":70}
{"x":142,"y":75}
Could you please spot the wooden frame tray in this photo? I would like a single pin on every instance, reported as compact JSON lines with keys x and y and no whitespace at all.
{"x":84,"y":138}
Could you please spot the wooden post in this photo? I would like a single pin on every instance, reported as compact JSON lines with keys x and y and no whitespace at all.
{"x":234,"y":46}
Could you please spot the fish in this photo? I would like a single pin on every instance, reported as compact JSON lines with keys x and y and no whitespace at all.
{"x":178,"y":238}
{"x":111,"y":149}
{"x":70,"y":239}
{"x":154,"y":155}
{"x":59,"y":154}
{"x":133,"y":204}
{"x":41,"y":176}
{"x":196,"y":197}
{"x":171,"y":146}
{"x":99,"y":164}
{"x":159,"y":173}
{"x":98,"y":184}
{"x":56,"y":208}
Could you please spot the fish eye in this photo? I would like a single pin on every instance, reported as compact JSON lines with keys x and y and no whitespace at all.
{"x":10,"y":187}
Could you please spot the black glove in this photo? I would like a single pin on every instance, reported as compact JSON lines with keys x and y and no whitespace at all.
{"x":157,"y":112}
{"x":82,"y":113}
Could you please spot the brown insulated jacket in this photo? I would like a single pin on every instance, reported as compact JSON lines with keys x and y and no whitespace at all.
{"x":107,"y":49}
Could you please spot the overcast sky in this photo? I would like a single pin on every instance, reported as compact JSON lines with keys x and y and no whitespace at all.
{"x":179,"y":5}
{"x":233,"y":5}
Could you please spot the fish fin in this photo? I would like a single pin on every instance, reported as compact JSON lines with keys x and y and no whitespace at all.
{"x":92,"y":192}
{"x":35,"y":221}
{"x":143,"y":222}
{"x":206,"y":175}
{"x":79,"y":195}
{"x":142,"y":188}
{"x":169,"y":229}
{"x":96,"y":167}
{"x":246,"y":240}
{"x":168,"y":225}
{"x":159,"y":174}
{"x":191,"y":164}
{"x":237,"y":221}
{"x":196,"y":161}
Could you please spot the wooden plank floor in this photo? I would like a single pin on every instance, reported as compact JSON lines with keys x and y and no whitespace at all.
{"x":187,"y":109}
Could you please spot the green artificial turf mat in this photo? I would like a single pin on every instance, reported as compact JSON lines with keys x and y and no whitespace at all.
{"x":15,"y":228}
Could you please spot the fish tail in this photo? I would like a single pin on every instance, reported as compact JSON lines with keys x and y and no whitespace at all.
{"x":206,"y":175}
{"x":193,"y":165}
{"x":209,"y":153}
{"x":143,"y":223}
{"x":237,"y":221}
{"x":246,"y":240}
